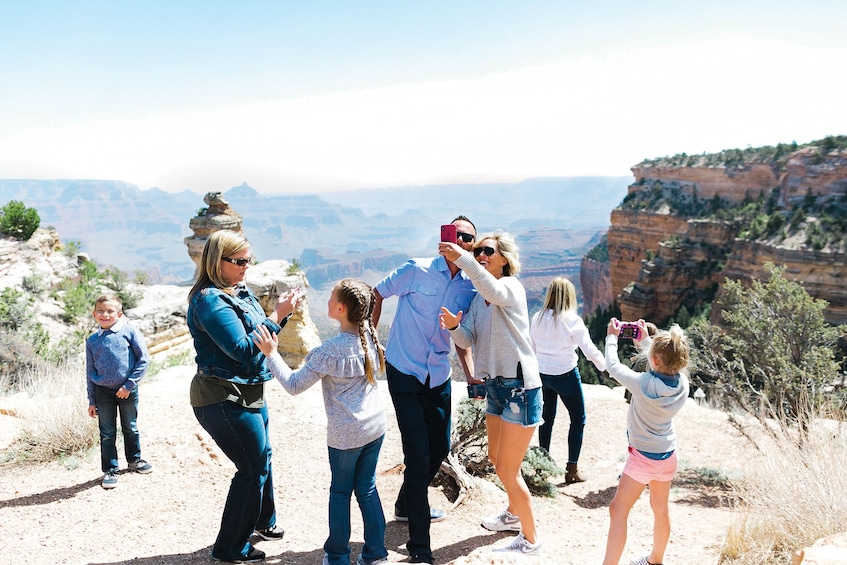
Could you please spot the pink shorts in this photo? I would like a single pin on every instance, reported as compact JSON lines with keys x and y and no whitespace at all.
{"x":644,"y":470}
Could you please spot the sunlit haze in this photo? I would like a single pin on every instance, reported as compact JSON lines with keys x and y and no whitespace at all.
{"x":311,"y":96}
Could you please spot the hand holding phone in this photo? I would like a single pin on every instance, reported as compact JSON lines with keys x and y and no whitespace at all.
{"x":476,"y":390}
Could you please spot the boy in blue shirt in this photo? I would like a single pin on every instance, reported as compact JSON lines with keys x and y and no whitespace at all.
{"x":116,"y":358}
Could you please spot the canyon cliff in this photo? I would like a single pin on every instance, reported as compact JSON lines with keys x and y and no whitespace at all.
{"x":690,"y":222}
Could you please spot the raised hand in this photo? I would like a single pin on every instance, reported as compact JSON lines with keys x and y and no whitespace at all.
{"x":266,"y":340}
{"x":448,"y":319}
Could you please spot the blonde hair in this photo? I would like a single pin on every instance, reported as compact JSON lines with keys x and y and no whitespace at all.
{"x":560,"y":297}
{"x":222,"y":243}
{"x":672,"y":349}
{"x":357,"y":297}
{"x":109,"y":298}
{"x":506,"y":247}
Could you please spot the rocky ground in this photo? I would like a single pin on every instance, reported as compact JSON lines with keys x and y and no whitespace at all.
{"x":58,"y":513}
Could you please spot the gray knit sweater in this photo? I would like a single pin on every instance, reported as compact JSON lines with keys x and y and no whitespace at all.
{"x":649,"y":422}
{"x":354,"y":409}
{"x":499,"y":330}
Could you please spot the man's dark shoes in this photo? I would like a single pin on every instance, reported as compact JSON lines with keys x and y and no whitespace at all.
{"x":435,"y":515}
{"x":253,"y":556}
{"x":275,"y":532}
{"x":422,"y":559}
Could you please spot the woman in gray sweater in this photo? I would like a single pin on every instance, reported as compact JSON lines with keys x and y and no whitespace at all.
{"x":497,"y":327}
{"x":346,"y":365}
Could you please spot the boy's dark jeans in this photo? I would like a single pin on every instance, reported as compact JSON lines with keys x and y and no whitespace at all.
{"x":108,"y":406}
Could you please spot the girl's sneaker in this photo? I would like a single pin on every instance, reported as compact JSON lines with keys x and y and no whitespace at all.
{"x":502,"y":522}
{"x":642,"y":561}
{"x":521,"y":545}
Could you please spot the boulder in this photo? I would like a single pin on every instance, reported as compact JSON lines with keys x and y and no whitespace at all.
{"x":831,"y":550}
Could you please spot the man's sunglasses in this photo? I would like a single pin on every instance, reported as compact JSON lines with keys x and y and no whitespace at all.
{"x":240,"y":262}
{"x":466,"y":237}
{"x":489,"y":251}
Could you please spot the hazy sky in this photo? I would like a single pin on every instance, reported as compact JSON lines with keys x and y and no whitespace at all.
{"x":303,"y":96}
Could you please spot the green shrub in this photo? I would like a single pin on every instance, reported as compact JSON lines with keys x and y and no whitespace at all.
{"x":18,"y":221}
{"x":295,"y":267}
{"x":537,"y":468}
{"x":774,"y":357}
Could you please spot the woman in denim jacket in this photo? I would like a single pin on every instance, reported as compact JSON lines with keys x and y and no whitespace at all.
{"x":227,"y":393}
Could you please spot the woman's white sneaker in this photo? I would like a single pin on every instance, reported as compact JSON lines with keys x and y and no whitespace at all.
{"x":503,"y":522}
{"x":521,"y":545}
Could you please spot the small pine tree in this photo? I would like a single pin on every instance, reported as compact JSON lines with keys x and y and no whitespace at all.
{"x":19,"y":221}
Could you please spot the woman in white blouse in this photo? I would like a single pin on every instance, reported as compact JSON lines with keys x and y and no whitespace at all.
{"x":556,"y":332}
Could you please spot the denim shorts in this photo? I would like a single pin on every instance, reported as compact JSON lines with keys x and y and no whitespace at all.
{"x":508,"y":399}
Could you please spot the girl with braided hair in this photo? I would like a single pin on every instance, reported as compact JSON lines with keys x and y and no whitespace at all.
{"x":346,"y":365}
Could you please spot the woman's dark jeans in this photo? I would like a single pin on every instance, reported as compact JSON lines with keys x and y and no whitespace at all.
{"x":242,"y":434}
{"x":108,"y":406}
{"x":568,"y":387}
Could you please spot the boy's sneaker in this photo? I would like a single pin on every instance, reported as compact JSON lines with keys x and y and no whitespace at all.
{"x":360,"y":561}
{"x":521,"y":545}
{"x":275,"y":532}
{"x":110,"y":479}
{"x":503,"y":522}
{"x":140,"y":466}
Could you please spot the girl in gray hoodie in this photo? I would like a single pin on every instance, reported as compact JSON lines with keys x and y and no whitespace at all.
{"x":657,"y":395}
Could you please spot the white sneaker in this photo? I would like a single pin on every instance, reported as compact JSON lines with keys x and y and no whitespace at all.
{"x":361,"y":561}
{"x":521,"y":545}
{"x":503,"y":522}
{"x":640,"y":561}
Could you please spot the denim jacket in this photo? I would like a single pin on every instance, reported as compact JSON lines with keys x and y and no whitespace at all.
{"x":221,"y":325}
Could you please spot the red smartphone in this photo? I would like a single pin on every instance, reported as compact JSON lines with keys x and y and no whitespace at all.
{"x":448,"y":233}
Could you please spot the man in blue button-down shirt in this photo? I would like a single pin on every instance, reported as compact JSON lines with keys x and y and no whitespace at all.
{"x":418,"y":370}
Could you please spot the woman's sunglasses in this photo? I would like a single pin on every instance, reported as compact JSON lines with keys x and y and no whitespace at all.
{"x":240,"y":262}
{"x":489,"y":251}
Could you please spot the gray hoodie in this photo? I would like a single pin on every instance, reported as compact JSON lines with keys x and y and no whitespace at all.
{"x":649,"y":422}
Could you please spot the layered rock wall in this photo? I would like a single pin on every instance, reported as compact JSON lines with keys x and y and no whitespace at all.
{"x":596,"y":282}
{"x":660,"y":261}
{"x":823,"y":273}
{"x":731,"y":183}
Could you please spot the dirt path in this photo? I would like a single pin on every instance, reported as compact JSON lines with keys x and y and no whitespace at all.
{"x":57,"y":514}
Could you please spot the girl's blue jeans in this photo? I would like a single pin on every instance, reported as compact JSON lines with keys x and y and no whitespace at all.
{"x":354,"y":470}
{"x":568,"y":387}
{"x":242,"y":434}
{"x":108,"y":406}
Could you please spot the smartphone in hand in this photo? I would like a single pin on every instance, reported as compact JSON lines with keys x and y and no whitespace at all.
{"x":448,"y":233}
{"x":476,"y":390}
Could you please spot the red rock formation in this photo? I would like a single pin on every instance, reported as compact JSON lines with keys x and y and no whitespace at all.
{"x":659,"y":261}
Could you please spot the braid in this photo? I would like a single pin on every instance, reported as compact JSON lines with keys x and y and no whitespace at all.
{"x":357,"y":297}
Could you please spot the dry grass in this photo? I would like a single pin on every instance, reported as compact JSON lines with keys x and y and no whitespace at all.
{"x":52,"y":411}
{"x":794,"y":498}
